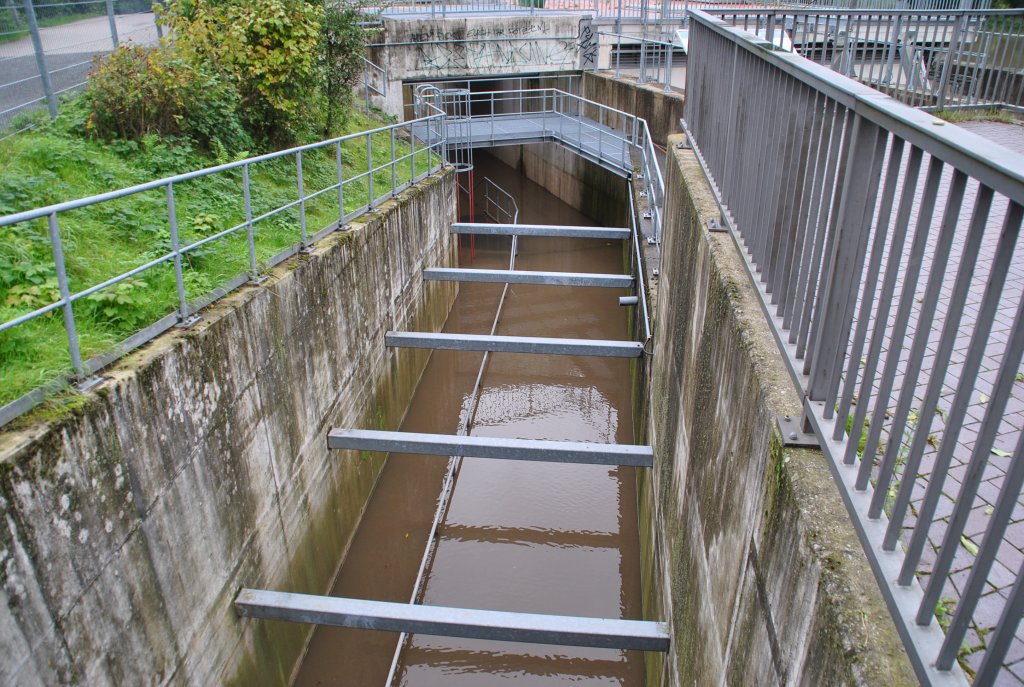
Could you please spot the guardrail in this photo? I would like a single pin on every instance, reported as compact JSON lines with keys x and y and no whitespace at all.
{"x":590,"y":126}
{"x":359,"y":184}
{"x":882,"y":243}
{"x":933,"y":59}
{"x":499,"y":205}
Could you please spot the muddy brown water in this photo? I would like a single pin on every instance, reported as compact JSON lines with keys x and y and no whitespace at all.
{"x":518,"y":536}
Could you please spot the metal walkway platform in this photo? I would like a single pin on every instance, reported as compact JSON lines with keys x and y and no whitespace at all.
{"x":590,"y":139}
{"x":491,"y":447}
{"x":604,"y":633}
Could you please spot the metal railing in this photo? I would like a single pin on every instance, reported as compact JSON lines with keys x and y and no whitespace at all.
{"x":361,"y":181}
{"x":600,"y":133}
{"x":932,"y":59}
{"x":635,"y":10}
{"x":657,"y":56}
{"x":499,"y":205}
{"x":884,"y":247}
{"x":374,"y":81}
{"x":47,"y":48}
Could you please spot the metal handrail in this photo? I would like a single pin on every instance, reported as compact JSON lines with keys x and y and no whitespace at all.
{"x":820,"y":187}
{"x":429,"y":129}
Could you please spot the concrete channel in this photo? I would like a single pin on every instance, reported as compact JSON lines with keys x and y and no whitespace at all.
{"x":201,"y":467}
{"x":532,"y":537}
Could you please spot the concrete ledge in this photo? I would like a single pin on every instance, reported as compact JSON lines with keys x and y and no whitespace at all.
{"x":753,"y":558}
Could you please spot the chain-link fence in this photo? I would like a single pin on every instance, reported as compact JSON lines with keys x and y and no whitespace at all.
{"x":47,"y":49}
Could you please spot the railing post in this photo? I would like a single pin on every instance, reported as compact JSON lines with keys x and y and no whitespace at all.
{"x":113,"y":23}
{"x":37,"y":46}
{"x":369,"y":170}
{"x":304,"y":247}
{"x":250,"y":232}
{"x":341,"y":186}
{"x":947,"y":65}
{"x":179,"y":277}
{"x":65,"y":294}
{"x":394,"y":172}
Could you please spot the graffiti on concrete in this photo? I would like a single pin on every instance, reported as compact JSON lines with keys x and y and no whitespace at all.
{"x":587,"y":45}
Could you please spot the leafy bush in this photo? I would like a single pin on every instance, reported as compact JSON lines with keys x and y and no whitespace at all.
{"x":341,"y":50}
{"x":137,"y":92}
{"x":267,"y":48}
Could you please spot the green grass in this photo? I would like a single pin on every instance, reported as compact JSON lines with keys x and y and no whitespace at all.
{"x":56,"y":163}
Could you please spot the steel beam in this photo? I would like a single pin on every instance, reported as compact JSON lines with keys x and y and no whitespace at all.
{"x":604,"y":633}
{"x":492,"y":447}
{"x":528,"y":277}
{"x":514,"y":344}
{"x":541,"y":230}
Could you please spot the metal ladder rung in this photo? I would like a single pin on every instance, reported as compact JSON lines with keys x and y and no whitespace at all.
{"x":514,"y":344}
{"x":605,"y":633}
{"x":528,"y":277}
{"x":541,"y":230}
{"x":586,"y":453}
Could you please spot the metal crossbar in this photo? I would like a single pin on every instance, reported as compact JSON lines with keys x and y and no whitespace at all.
{"x":515,"y":344}
{"x":491,"y":447}
{"x":882,"y":246}
{"x":528,"y":277}
{"x":551,"y":230}
{"x":604,"y":633}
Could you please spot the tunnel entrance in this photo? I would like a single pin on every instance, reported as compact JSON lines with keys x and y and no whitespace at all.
{"x":516,"y":536}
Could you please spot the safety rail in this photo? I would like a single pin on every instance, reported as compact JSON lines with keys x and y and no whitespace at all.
{"x":499,"y":205}
{"x":411,"y":151}
{"x":632,"y":10}
{"x":373,"y":74}
{"x":933,"y":59}
{"x":592,"y":129}
{"x":820,"y":179}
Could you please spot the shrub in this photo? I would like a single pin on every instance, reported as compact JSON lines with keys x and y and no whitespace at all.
{"x":268,"y":49}
{"x":136,"y":92}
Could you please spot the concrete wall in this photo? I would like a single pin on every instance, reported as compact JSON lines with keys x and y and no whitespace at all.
{"x":200,"y":466}
{"x":591,"y":189}
{"x":649,"y":101}
{"x":751,"y":555}
{"x":421,"y":49}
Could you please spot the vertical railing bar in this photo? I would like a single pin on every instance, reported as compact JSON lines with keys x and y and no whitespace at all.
{"x":1002,"y":513}
{"x":301,"y":183}
{"x":994,"y":411}
{"x":823,"y":109}
{"x":942,"y":355}
{"x":341,"y":186}
{"x":394,"y":171}
{"x":922,"y":331}
{"x":894,"y":262}
{"x":179,"y":277}
{"x":926,"y":205}
{"x":856,"y":210}
{"x":250,"y":232}
{"x":779,"y":181}
{"x":892,"y":176}
{"x":835,"y":121}
{"x":831,"y":236}
{"x":57,"y":250}
{"x":961,"y":401}
{"x":765,"y":156}
{"x":1005,"y":633}
{"x":369,"y":170}
{"x":782,"y":286}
